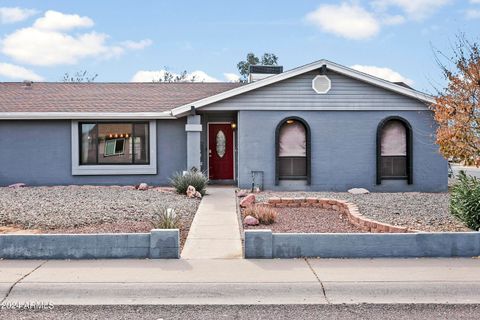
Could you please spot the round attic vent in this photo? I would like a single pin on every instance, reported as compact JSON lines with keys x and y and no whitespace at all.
{"x":321,"y":84}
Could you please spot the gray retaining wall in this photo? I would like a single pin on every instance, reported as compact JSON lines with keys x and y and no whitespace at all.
{"x":158,"y":244}
{"x":263,"y":244}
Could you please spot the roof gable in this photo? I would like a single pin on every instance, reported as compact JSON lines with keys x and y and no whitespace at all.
{"x":402,"y":90}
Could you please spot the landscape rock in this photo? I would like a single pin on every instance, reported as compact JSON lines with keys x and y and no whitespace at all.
{"x":358,"y":191}
{"x":142,"y":186}
{"x":247,"y":201}
{"x":191,"y":192}
{"x":198,"y":195}
{"x":251,"y":221}
{"x":242,"y":193}
{"x":17,"y":185}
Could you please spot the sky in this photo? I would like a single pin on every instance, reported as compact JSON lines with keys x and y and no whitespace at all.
{"x":124,"y":41}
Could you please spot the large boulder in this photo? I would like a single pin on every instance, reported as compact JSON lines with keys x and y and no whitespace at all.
{"x":358,"y":191}
{"x":17,"y":185}
{"x":143,"y":186}
{"x":250,"y":221}
{"x":247,"y":201}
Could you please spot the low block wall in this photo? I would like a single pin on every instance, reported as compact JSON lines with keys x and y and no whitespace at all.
{"x":263,"y":244}
{"x":158,"y":244}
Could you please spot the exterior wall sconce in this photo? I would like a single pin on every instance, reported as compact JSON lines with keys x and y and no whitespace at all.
{"x":233,"y":125}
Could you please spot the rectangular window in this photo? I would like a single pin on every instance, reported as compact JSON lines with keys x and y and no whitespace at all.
{"x":114,"y":143}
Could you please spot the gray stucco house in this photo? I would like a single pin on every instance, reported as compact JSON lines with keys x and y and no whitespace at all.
{"x":321,"y":126}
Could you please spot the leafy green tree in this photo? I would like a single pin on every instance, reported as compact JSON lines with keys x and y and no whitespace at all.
{"x":268,"y":59}
{"x":172,"y":77}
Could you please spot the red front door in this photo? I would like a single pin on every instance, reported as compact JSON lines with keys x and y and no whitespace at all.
{"x":220,"y":151}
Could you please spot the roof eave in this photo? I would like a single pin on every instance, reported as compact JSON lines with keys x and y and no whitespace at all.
{"x":84,"y":115}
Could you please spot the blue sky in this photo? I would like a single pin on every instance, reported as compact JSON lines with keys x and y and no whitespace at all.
{"x":127,"y":40}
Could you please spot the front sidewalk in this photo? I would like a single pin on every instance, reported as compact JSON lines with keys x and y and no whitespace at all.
{"x":238,"y":281}
{"x":215,"y":231}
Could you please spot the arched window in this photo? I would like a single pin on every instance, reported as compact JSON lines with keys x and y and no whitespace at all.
{"x":394,"y":150}
{"x":292,"y":150}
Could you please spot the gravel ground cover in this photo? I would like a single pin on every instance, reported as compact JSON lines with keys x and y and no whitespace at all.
{"x":420,"y":211}
{"x":91,"y":209}
{"x":309,"y":220}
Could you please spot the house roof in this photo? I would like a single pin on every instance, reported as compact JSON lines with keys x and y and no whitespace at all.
{"x":395,"y":87}
{"x":55,"y":100}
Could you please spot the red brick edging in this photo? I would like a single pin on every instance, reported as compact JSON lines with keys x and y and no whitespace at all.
{"x":347,"y":209}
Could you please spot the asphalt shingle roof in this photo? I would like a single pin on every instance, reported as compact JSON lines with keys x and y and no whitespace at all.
{"x":104,"y":97}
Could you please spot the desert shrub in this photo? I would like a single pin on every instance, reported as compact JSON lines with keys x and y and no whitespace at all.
{"x":167,"y":219}
{"x":193,"y":178}
{"x":465,"y":200}
{"x":264,"y":214}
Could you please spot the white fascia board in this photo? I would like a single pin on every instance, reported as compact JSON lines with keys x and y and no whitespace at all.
{"x":179,"y":111}
{"x":84,"y":115}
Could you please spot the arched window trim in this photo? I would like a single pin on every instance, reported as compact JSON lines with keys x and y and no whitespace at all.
{"x":277,"y":147}
{"x":409,"y":133}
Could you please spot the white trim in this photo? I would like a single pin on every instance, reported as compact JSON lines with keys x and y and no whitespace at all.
{"x":298,"y":71}
{"x":79,"y":170}
{"x":331,"y":107}
{"x":208,"y":146}
{"x":85,"y":115}
{"x":321,"y":77}
{"x":190,"y":127}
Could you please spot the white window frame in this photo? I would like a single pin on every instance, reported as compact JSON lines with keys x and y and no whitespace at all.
{"x":102,"y":170}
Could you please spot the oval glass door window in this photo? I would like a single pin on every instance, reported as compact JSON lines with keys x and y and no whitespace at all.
{"x":221,"y":143}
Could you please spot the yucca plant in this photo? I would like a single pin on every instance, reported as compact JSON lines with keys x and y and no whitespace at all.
{"x":465,"y":200}
{"x":168,"y":219}
{"x":193,"y":178}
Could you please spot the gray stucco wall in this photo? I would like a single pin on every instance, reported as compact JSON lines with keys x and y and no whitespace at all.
{"x":343,"y":150}
{"x":39,"y":153}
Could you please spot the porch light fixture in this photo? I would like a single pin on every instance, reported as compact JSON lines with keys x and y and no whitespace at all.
{"x":233,"y":125}
{"x":290,"y":121}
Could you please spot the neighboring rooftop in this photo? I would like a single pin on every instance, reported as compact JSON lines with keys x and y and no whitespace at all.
{"x":104,"y":97}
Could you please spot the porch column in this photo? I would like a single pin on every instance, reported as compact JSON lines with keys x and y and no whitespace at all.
{"x":193,"y":129}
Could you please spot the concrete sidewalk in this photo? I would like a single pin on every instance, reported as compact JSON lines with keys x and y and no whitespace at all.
{"x":215,"y":232}
{"x":238,"y":281}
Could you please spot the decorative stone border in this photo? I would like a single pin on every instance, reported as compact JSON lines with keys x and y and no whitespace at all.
{"x":158,"y":244}
{"x":349,"y":210}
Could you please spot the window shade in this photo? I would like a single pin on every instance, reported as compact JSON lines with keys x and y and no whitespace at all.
{"x":292,"y":140}
{"x":394,"y":139}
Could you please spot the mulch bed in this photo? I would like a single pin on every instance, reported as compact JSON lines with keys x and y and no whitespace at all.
{"x":309,"y":220}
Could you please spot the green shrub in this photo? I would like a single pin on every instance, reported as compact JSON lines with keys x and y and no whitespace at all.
{"x":167,"y":219}
{"x":465,"y":200}
{"x":193,"y":178}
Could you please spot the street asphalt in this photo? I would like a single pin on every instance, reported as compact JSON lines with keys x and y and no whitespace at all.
{"x":304,"y":312}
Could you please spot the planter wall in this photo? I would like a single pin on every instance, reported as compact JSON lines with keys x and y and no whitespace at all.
{"x":158,"y":244}
{"x":263,"y":244}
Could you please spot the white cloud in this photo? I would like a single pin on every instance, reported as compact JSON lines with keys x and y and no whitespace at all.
{"x":155,"y":75}
{"x":346,"y":20}
{"x":12,"y":15}
{"x":475,"y":1}
{"x":48,"y":42}
{"x":415,"y":9}
{"x":231,"y":77}
{"x":393,"y":20}
{"x":18,"y":73}
{"x":45,"y":48}
{"x":472,"y":14}
{"x":137,"y":45}
{"x":57,"y":21}
{"x":383,"y":73}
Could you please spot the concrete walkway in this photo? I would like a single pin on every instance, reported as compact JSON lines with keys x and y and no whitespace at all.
{"x":215,"y":232}
{"x":240,"y":281}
